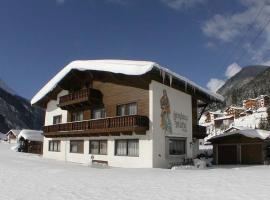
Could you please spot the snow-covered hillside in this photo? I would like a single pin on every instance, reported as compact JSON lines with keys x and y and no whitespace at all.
{"x":5,"y":87}
{"x":50,"y":179}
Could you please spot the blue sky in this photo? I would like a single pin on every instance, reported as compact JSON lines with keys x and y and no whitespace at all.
{"x":198,"y":39}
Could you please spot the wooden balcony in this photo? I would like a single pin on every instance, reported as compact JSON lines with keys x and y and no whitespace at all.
{"x":82,"y":98}
{"x":99,"y":127}
{"x":199,"y":132}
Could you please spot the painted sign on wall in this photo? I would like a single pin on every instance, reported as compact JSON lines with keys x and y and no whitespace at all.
{"x":180,"y":120}
{"x":166,"y":123}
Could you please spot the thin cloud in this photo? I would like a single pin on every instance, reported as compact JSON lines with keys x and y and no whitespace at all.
{"x":231,"y":28}
{"x":214,"y":84}
{"x":232,"y":70}
{"x":60,"y":1}
{"x":182,"y":4}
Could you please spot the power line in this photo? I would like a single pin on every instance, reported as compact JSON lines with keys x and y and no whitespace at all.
{"x":255,"y":39}
{"x":238,"y":44}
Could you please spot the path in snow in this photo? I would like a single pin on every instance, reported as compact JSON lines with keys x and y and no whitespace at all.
{"x":26,"y":176}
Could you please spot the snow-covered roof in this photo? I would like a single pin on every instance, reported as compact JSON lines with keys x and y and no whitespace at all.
{"x":235,"y":127}
{"x":224,"y":117}
{"x":250,"y":133}
{"x":31,"y":135}
{"x":14,"y":131}
{"x":236,"y":108}
{"x":127,"y":67}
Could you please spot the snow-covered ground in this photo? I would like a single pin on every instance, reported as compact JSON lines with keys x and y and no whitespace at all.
{"x":26,"y":176}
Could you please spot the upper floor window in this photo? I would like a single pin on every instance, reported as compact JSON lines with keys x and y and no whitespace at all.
{"x":77,"y":116}
{"x":127,"y":109}
{"x":57,"y":119}
{"x":98,"y":113}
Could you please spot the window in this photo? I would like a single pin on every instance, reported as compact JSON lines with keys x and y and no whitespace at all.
{"x":54,"y":145}
{"x":76,"y":146}
{"x":127,"y":148}
{"x":98,"y":147}
{"x":177,"y":146}
{"x":77,"y":116}
{"x":98,"y":113}
{"x":127,"y":109}
{"x":57,"y":119}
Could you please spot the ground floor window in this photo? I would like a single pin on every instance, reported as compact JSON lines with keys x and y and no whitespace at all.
{"x":98,"y":147}
{"x":54,"y":145}
{"x":127,"y":147}
{"x":76,"y":146}
{"x":177,"y":146}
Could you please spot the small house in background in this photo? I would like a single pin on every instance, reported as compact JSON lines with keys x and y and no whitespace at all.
{"x":223,"y":123}
{"x":234,"y":111}
{"x":12,"y":136}
{"x":240,"y":145}
{"x":31,"y":141}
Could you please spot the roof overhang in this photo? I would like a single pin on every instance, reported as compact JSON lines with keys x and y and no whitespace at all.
{"x":124,"y":67}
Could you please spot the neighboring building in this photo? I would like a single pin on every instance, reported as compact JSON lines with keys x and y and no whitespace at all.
{"x":123,"y":113}
{"x":234,"y":111}
{"x":211,"y":116}
{"x":222,"y":123}
{"x":263,"y":101}
{"x":12,"y":136}
{"x":241,"y":146}
{"x":31,"y":141}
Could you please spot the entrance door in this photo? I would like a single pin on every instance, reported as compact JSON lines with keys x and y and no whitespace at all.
{"x":251,"y":154}
{"x":227,"y":154}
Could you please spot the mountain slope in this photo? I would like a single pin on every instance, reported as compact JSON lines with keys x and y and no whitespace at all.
{"x":16,"y":112}
{"x":242,"y":85}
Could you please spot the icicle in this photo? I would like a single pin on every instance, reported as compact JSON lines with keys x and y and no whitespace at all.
{"x":170,"y":80}
{"x":163,"y":76}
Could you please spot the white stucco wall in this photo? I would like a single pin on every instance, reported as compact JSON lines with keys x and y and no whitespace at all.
{"x":143,"y":161}
{"x":180,"y":102}
{"x":53,"y":110}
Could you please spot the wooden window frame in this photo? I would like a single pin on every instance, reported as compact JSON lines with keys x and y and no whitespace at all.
{"x":58,"y":142}
{"x":98,"y":147}
{"x":95,"y":109}
{"x":127,"y":142}
{"x":126,"y":104}
{"x":79,"y":152}
{"x":76,"y":112}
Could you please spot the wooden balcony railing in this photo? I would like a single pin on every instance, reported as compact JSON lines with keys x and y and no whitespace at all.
{"x":83,"y":97}
{"x":199,"y":132}
{"x":94,"y":127}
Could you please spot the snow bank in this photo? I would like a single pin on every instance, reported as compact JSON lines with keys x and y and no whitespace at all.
{"x":126,"y":67}
{"x":15,"y":148}
{"x":2,"y":136}
{"x":31,"y":135}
